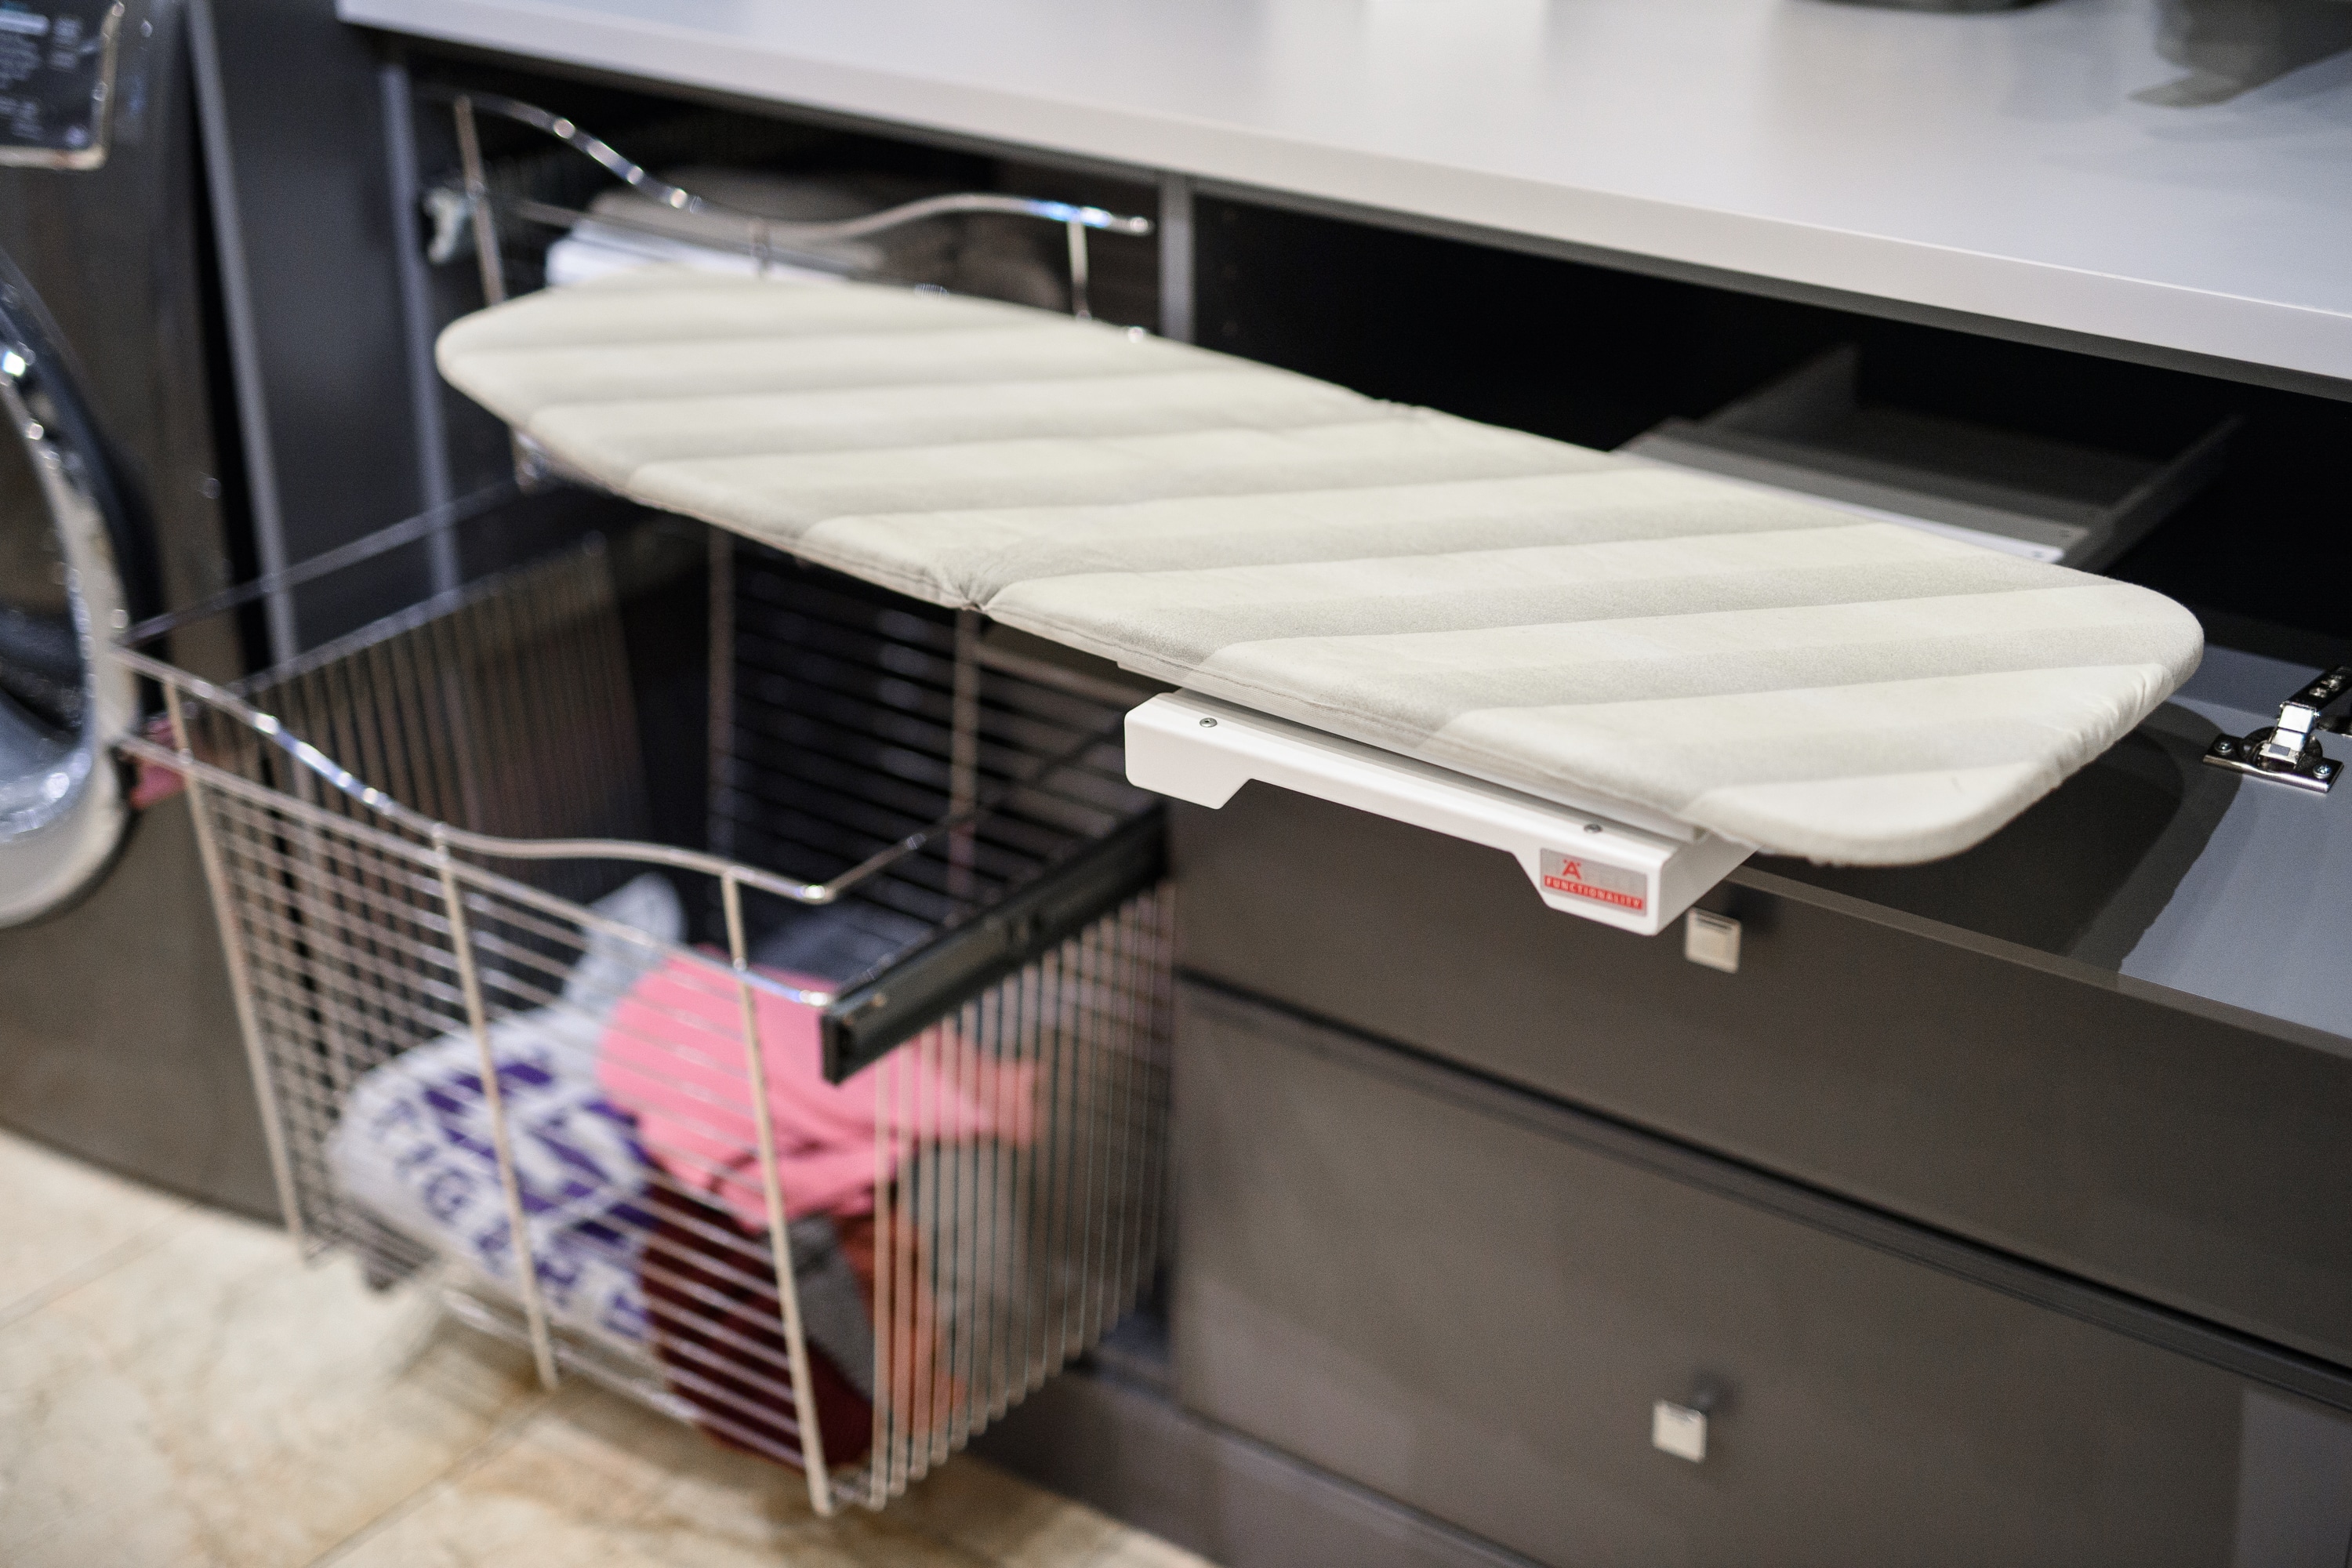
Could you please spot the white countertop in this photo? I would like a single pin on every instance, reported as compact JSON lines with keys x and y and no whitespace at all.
{"x":1996,"y":164}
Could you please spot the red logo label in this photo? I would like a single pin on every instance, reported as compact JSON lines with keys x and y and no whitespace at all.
{"x":1603,"y":884}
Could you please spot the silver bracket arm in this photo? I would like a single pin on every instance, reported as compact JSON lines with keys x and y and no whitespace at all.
{"x":2288,"y":752}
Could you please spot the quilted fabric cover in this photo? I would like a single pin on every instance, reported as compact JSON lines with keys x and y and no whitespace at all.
{"x":1532,"y":613}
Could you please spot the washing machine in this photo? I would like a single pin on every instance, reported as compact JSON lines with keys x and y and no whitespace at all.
{"x":119,"y":1042}
{"x":205,"y":374}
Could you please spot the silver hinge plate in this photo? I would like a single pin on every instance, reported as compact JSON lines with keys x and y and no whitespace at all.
{"x":2288,"y":752}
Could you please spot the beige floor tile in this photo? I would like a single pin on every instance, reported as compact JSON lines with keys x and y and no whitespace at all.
{"x":1001,"y":1518}
{"x":593,"y":1481}
{"x":527,"y":1500}
{"x":210,"y":1400}
{"x":1133,"y":1548}
{"x":178,"y":1390}
{"x":64,"y":1219}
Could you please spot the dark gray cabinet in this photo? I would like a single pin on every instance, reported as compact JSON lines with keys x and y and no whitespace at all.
{"x":1470,"y":1300}
{"x":2184,"y":1158}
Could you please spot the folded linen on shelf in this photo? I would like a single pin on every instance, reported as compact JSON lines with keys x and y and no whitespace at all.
{"x":1522,"y":610}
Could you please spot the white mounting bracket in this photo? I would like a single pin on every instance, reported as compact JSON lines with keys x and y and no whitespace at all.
{"x":1582,"y":862}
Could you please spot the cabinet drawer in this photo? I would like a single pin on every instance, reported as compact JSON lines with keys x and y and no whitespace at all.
{"x":1472,"y":1299}
{"x":2182,"y":1159}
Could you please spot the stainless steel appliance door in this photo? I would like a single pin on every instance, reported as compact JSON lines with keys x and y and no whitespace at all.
{"x":72,"y":571}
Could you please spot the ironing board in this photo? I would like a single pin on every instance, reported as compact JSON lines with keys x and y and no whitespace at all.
{"x":1535,"y":615}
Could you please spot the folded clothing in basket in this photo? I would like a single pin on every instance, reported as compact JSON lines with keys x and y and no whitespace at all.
{"x":1538,"y":615}
{"x":414,"y":1152}
{"x":716,"y":1325}
{"x":414,"y":1147}
{"x":673,"y":1057}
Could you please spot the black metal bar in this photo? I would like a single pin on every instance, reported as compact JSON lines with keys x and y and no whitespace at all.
{"x":925,"y":984}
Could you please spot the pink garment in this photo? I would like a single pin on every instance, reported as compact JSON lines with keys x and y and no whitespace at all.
{"x":673,"y":1057}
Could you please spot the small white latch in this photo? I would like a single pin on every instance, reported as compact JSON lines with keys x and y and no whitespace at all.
{"x":1712,"y":940}
{"x":1679,"y":1430}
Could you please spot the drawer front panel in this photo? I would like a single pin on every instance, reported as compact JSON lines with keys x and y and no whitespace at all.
{"x":1437,"y":1288}
{"x":2190,"y":1161}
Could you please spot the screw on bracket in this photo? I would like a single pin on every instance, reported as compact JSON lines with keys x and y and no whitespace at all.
{"x":2288,"y":752}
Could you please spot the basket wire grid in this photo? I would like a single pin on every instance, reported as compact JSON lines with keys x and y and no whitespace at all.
{"x":402,"y":832}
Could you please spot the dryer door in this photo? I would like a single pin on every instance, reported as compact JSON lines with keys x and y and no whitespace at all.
{"x":69,"y":552}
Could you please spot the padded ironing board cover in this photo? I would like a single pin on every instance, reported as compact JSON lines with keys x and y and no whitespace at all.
{"x":1535,"y":613}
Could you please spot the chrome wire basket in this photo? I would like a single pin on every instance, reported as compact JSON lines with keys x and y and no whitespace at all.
{"x":838,"y":1183}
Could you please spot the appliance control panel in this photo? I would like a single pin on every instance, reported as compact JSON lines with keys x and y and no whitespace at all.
{"x":56,"y":80}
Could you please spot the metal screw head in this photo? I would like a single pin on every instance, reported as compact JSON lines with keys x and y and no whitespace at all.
{"x":1592,"y":827}
{"x":1208,"y":723}
{"x":2224,"y":748}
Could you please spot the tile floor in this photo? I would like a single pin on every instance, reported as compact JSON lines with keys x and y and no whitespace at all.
{"x":178,"y":1390}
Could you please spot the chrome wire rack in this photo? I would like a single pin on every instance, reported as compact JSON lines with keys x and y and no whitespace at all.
{"x":839,"y":1186}
{"x":764,"y":240}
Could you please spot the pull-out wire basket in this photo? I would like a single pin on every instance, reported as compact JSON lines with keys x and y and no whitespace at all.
{"x":839,"y":1181}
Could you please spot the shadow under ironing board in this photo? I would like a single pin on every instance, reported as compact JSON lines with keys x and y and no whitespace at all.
{"x":2149,"y":870}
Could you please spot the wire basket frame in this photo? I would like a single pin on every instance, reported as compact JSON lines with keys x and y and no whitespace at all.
{"x":456,"y":1048}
